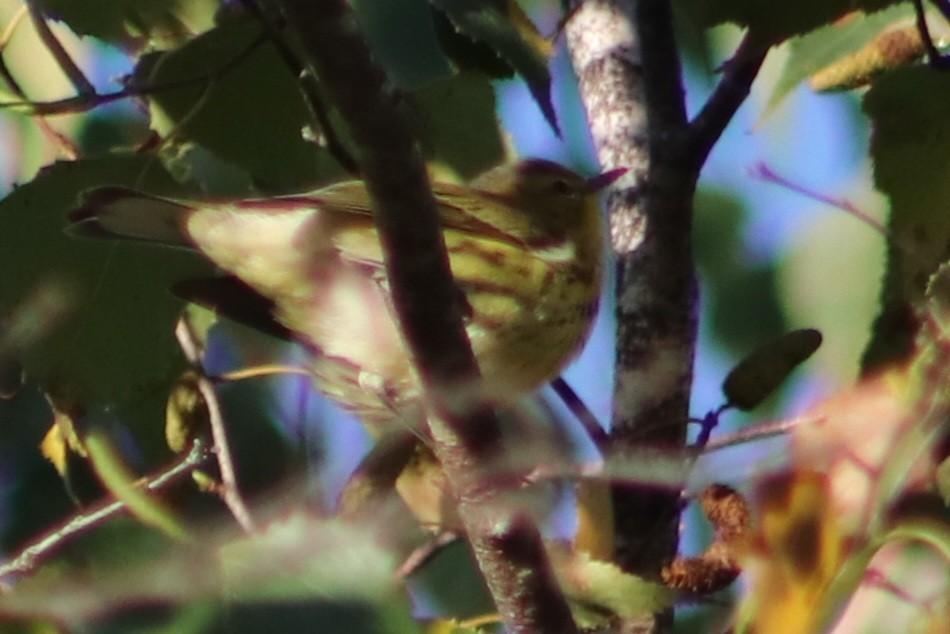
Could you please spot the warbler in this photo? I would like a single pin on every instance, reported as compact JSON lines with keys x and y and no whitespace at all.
{"x":526,"y":249}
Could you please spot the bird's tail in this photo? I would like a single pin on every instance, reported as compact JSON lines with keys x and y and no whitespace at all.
{"x":127,"y":213}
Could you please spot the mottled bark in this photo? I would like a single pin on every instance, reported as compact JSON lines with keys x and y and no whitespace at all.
{"x":466,"y":434}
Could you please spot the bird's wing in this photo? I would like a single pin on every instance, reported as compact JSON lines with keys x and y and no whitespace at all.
{"x":459,"y":207}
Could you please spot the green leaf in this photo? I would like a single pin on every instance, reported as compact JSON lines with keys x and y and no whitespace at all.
{"x":116,"y":335}
{"x":761,"y":373}
{"x":597,"y":590}
{"x":134,"y":24}
{"x":243,"y":106}
{"x":742,"y":299}
{"x":120,"y":481}
{"x":466,"y":53}
{"x":193,"y":165}
{"x":502,"y":25}
{"x":457,"y":124}
{"x":822,"y":47}
{"x":773,"y":22}
{"x":909,"y":128}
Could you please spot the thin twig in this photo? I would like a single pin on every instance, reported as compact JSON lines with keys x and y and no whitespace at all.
{"x":82,"y":103}
{"x":229,"y":491}
{"x":709,"y":422}
{"x":765,"y":173}
{"x":55,"y":47}
{"x":424,"y":554}
{"x":64,"y":144}
{"x":259,"y":371}
{"x":756,"y":432}
{"x":28,"y":558}
{"x":307,"y":83}
{"x":933,"y":55}
{"x":732,"y":90}
{"x":577,"y":407}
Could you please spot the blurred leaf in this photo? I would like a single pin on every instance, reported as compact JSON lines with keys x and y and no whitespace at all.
{"x":457,"y":124}
{"x":134,"y":24}
{"x":300,"y":558}
{"x":453,"y":583}
{"x":595,"y":535}
{"x":440,"y":626}
{"x":117,"y":337}
{"x":776,"y":21}
{"x":761,"y":373}
{"x":799,"y":552}
{"x":742,"y":295}
{"x":598,"y":590}
{"x":298,"y":572}
{"x":819,"y":49}
{"x":251,"y":118}
{"x":503,"y":26}
{"x":841,"y":301}
{"x":908,"y":109}
{"x":938,"y":298}
{"x":891,"y":49}
{"x":119,"y":480}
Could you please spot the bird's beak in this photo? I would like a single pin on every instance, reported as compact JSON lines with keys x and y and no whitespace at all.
{"x":599,"y":182}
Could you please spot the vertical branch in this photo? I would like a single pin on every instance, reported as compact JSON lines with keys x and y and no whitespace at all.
{"x":230,"y":493}
{"x":624,"y":54}
{"x":467,"y":435}
{"x":625,"y":58}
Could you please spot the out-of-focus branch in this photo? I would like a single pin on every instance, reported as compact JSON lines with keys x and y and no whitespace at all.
{"x":507,"y":544}
{"x":32,"y":555}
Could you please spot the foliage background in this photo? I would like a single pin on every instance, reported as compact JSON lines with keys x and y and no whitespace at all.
{"x":770,"y":259}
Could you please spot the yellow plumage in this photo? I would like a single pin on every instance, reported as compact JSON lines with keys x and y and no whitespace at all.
{"x":525,"y":246}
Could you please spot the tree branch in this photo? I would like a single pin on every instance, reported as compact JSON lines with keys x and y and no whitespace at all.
{"x":507,"y":545}
{"x":732,"y":90}
{"x":32,"y":555}
{"x":625,"y":57}
{"x":229,"y":491}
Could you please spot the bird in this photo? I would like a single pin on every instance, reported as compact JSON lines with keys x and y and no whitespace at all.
{"x":526,"y":249}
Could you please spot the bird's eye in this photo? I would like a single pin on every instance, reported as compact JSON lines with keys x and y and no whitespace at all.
{"x":561,"y":187}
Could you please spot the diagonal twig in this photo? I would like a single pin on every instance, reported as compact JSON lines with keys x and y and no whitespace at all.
{"x":28,"y":558}
{"x":731,"y":91}
{"x":591,"y":425}
{"x":229,"y":491}
{"x":55,"y":48}
{"x":82,"y":103}
{"x":65,"y":145}
{"x":307,"y":83}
